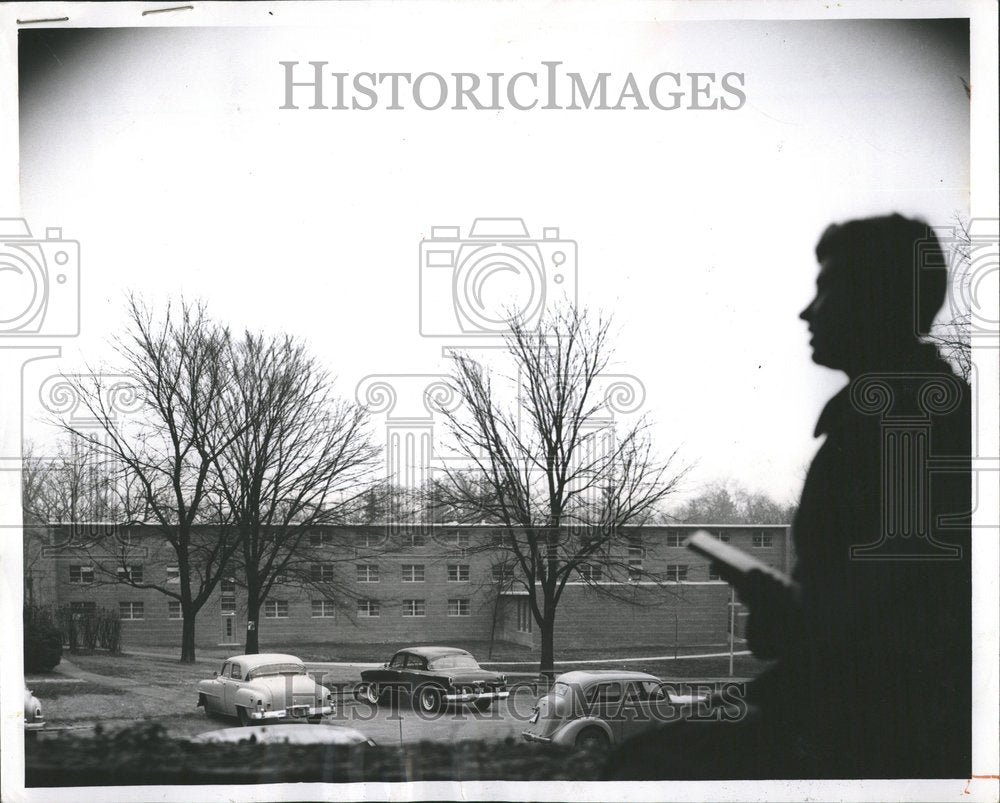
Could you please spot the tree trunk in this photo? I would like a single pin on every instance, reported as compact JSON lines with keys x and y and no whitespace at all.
{"x":548,"y":630}
{"x":253,"y":621}
{"x":187,"y":637}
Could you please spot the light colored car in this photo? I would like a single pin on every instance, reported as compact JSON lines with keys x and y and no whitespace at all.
{"x":33,"y":719}
{"x":599,"y":708}
{"x":269,"y":686}
{"x":282,"y":733}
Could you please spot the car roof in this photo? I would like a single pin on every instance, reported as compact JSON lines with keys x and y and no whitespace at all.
{"x":434,"y":652}
{"x":583,"y":676}
{"x":264,"y":659}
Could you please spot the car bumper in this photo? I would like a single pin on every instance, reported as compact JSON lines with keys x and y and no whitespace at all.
{"x":473,"y":697}
{"x":298,"y":712}
{"x":34,"y":726}
{"x":534,"y":737}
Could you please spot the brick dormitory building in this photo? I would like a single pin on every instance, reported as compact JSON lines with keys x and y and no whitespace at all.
{"x":436,"y":583}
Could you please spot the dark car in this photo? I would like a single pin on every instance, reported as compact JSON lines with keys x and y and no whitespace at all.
{"x":433,"y":677}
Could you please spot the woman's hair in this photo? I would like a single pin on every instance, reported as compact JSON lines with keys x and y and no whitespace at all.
{"x":896,"y":264}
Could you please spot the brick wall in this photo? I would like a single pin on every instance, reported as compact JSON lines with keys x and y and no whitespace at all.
{"x":693,"y":611}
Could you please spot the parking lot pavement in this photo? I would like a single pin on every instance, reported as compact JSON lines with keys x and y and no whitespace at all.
{"x":387,"y":724}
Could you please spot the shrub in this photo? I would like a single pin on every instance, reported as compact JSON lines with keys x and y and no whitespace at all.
{"x":42,"y":644}
{"x":97,"y":627}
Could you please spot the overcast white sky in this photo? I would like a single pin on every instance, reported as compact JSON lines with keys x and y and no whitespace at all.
{"x":165,"y":154}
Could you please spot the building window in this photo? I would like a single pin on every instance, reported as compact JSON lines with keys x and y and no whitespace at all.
{"x":367,"y":540}
{"x":413,"y":573}
{"x":81,"y":575}
{"x":674,"y":538}
{"x":501,"y":574}
{"x":130,"y":610}
{"x":713,"y":571}
{"x":276,"y":609}
{"x":323,"y":609}
{"x":414,"y":538}
{"x":367,"y":573}
{"x":590,"y":572}
{"x":174,"y":610}
{"x":79,"y":609}
{"x":524,"y":618}
{"x":459,"y":607}
{"x":635,"y":556}
{"x":460,"y":540}
{"x":723,"y":536}
{"x":131,"y":573}
{"x":228,"y":585}
{"x":762,"y":540}
{"x":174,"y":575}
{"x":677,"y":572}
{"x":458,"y":572}
{"x":228,"y":605}
{"x":321,"y":572}
{"x":368,"y":608}
{"x":319,"y":538}
{"x":413,"y":607}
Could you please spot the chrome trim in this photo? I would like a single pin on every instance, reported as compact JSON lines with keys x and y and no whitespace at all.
{"x":311,"y":711}
{"x":534,"y":737}
{"x":471,"y":697}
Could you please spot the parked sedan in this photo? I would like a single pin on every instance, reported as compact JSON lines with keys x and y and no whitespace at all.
{"x":595,"y":709}
{"x":433,"y":677}
{"x":269,"y":686}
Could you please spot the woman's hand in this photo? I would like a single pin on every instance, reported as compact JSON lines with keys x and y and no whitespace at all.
{"x":774,"y":612}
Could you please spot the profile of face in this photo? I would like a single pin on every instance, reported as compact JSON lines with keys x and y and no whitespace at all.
{"x":833,"y":321}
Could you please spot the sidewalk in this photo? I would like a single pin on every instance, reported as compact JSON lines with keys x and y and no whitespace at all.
{"x":618,"y":660}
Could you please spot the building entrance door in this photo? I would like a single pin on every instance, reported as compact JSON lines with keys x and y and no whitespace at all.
{"x":228,"y":628}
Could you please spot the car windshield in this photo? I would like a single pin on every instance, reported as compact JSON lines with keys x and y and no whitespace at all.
{"x":454,"y":662}
{"x":560,"y":689}
{"x":277,"y":669}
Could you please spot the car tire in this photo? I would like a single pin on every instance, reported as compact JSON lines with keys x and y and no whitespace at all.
{"x":243,"y":715}
{"x":371,"y":694}
{"x":429,"y":699}
{"x":592,"y":739}
{"x":483,"y":705}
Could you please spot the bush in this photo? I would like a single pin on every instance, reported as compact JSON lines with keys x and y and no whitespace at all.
{"x":97,"y":627}
{"x":42,"y":644}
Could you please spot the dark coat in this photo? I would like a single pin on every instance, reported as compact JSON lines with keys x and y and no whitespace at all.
{"x":873,"y":670}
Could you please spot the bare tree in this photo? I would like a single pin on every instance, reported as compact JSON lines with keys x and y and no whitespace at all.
{"x":178,"y":366}
{"x":952,"y":336}
{"x":72,"y":484}
{"x":559,"y":479}
{"x":305,"y":460}
{"x":728,"y":502}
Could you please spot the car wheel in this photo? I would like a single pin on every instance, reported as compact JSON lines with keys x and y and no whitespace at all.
{"x":483,"y":705}
{"x":371,"y":694}
{"x":429,"y":699}
{"x":243,"y":715}
{"x":592,"y":739}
